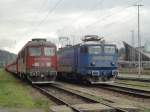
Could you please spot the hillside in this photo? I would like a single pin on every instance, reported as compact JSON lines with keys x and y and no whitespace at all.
{"x":6,"y":57}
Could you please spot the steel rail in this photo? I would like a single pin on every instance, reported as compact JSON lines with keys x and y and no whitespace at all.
{"x":134,"y":79}
{"x":127,"y":90}
{"x":48,"y":94}
{"x":125,"y":83}
{"x":90,"y":99}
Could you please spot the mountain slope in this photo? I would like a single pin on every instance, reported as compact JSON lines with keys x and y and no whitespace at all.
{"x":6,"y":57}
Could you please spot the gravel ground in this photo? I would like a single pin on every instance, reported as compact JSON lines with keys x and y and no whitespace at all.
{"x":67,"y":97}
{"x":134,"y":84}
{"x":110,"y":95}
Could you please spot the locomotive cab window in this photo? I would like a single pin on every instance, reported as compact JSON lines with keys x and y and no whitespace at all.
{"x":83,"y":49}
{"x":95,"y":49}
{"x":35,"y":51}
{"x":48,"y":51}
{"x":109,"y":49}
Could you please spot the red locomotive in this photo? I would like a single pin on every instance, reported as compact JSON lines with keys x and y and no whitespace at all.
{"x":36,"y":62}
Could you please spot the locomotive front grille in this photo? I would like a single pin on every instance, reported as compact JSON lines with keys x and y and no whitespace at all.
{"x":95,"y":73}
{"x":43,"y":73}
{"x":115,"y":72}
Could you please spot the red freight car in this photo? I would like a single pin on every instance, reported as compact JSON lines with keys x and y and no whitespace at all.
{"x":37,"y":61}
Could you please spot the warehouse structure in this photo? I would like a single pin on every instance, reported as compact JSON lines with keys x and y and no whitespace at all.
{"x":132,"y":56}
{"x":131,"y":53}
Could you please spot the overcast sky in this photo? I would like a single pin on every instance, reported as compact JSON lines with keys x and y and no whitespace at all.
{"x":22,"y":20}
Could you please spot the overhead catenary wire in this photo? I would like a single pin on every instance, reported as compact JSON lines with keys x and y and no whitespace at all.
{"x":50,"y":12}
{"x":91,"y":8}
{"x":111,"y":15}
{"x":56,"y":5}
{"x":107,"y":16}
{"x":42,"y":5}
{"x":107,"y":25}
{"x":103,"y":19}
{"x":39,"y":10}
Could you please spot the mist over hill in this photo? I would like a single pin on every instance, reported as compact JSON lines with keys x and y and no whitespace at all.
{"x":6,"y":57}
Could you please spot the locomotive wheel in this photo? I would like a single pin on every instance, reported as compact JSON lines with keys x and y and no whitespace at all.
{"x":23,"y":76}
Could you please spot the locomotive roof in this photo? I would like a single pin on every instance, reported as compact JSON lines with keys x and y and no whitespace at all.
{"x":38,"y":43}
{"x":84,"y":44}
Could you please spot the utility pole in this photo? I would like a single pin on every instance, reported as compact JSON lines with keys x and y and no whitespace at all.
{"x":139,"y":40}
{"x":132,"y":42}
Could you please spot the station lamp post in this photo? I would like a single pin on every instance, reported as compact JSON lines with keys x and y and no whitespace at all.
{"x":139,"y":40}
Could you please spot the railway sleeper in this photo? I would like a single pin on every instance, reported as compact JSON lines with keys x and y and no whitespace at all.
{"x":88,"y":107}
{"x":97,"y":106}
{"x":93,"y":107}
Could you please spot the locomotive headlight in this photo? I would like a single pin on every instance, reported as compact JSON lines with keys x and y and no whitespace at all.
{"x":93,"y":63}
{"x":48,"y":64}
{"x":113,"y":63}
{"x":36,"y":64}
{"x":33,"y":74}
{"x":42,"y":76}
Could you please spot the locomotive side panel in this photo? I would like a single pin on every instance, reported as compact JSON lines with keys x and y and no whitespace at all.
{"x":93,"y":63}
{"x":12,"y":67}
{"x":66,"y":61}
{"x":21,"y":62}
{"x":37,"y":62}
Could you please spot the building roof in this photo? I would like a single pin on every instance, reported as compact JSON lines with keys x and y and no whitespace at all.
{"x":132,"y":53}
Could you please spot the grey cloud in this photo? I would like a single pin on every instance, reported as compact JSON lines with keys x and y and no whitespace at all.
{"x":19,"y":19}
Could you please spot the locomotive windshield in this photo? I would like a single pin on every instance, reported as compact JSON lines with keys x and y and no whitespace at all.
{"x":94,"y":49}
{"x":35,"y":51}
{"x":109,"y":49}
{"x":48,"y":51}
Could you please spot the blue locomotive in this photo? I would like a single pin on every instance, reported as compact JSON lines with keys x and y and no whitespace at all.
{"x":92,"y":61}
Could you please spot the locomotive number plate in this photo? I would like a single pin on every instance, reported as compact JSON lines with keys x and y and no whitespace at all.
{"x":95,"y":73}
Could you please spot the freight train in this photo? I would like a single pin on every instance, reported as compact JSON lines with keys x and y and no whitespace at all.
{"x":92,"y":61}
{"x":36,"y":62}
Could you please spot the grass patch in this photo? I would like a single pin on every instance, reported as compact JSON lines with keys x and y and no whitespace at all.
{"x":146,"y":110}
{"x":13,"y":93}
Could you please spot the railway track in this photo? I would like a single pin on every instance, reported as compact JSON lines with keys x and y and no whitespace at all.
{"x":130,"y":84}
{"x":50,"y":92}
{"x":127,"y":90}
{"x":134,"y":79}
{"x":56,"y":99}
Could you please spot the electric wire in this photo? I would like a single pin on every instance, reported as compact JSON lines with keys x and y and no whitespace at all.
{"x":77,"y":18}
{"x":107,"y":17}
{"x":44,"y":19}
{"x":50,"y":11}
